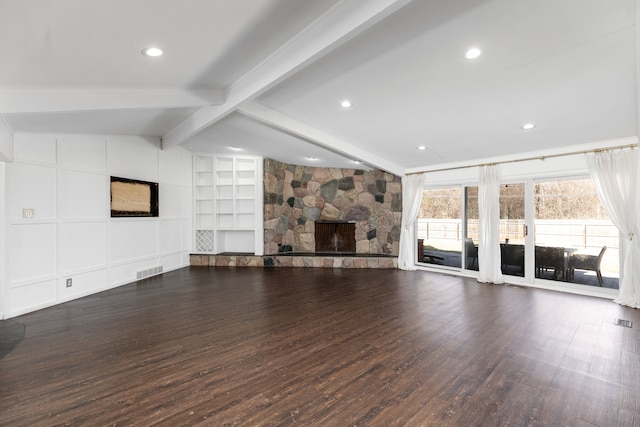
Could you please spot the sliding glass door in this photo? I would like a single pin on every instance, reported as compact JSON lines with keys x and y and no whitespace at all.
{"x":448,"y":222}
{"x":552,"y":230}
{"x":439,"y":227}
{"x":513,"y":229}
{"x":472,"y":222}
{"x":574,"y":239}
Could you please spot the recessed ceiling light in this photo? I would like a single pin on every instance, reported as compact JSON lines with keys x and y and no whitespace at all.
{"x":357,"y":161}
{"x":528,"y":126}
{"x":473,"y":53}
{"x":311,"y":158}
{"x":235,"y":148}
{"x":422,"y":147}
{"x":346,"y":104}
{"x":152,"y":51}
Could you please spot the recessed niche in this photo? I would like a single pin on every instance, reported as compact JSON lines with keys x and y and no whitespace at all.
{"x":133,"y":198}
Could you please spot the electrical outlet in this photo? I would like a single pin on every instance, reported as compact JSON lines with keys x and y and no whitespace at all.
{"x":28,"y":213}
{"x":69,"y":282}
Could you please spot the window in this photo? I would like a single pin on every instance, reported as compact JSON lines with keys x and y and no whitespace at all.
{"x":472,"y":221}
{"x":439,"y":227}
{"x":513,"y":229}
{"x":575,"y":240}
{"x":550,"y":230}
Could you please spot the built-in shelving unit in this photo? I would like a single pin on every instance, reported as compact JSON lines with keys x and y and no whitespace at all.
{"x":228,"y":204}
{"x":204,"y":206}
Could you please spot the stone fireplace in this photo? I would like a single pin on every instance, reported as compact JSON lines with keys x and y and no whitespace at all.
{"x":299,"y":198}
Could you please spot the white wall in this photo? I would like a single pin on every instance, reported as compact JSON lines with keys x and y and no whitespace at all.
{"x":65,"y":180}
{"x":3,"y":238}
{"x":6,"y":154}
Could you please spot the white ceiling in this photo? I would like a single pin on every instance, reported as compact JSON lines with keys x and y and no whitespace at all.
{"x":268,"y":75}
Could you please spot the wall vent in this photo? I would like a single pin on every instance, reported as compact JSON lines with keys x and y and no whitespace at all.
{"x":625,"y":323}
{"x":148,"y":272}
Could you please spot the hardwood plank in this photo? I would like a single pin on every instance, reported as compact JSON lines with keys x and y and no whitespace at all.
{"x":218,"y":346}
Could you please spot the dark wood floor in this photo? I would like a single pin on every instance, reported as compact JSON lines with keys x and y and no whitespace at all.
{"x":324,"y":347}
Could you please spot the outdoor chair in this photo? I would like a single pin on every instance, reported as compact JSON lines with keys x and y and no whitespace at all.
{"x":512,"y":259}
{"x":586,"y":262}
{"x":550,"y":258}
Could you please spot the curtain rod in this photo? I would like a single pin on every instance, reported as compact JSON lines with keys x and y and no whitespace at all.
{"x":550,"y":156}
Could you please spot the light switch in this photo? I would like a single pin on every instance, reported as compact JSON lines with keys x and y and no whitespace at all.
{"x":28,"y":213}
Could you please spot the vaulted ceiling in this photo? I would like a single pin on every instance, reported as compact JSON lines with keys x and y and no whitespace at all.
{"x":268,"y":76}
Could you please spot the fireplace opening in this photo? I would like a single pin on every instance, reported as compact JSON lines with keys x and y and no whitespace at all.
{"x":335,"y":237}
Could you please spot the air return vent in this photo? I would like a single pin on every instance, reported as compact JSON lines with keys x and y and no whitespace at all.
{"x":148,"y":272}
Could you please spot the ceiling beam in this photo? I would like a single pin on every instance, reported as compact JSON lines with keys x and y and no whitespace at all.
{"x":338,"y":25}
{"x":16,"y":101}
{"x":291,"y":126}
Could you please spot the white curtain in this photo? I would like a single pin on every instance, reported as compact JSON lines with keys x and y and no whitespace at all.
{"x":489,"y":227}
{"x":615,"y":174}
{"x":412,"y":187}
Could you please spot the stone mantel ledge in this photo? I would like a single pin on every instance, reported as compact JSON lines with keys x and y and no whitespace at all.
{"x":293,"y":261}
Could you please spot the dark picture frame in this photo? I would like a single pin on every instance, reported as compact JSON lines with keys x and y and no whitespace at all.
{"x":133,"y":198}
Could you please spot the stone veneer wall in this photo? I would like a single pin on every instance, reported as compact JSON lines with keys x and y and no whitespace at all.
{"x":297,"y":196}
{"x":293,"y":261}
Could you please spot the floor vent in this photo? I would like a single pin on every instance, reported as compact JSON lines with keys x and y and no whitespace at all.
{"x":148,"y":272}
{"x":625,"y":323}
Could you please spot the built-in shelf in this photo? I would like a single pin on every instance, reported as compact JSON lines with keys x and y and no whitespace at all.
{"x":204,"y":205}
{"x":228,"y":203}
